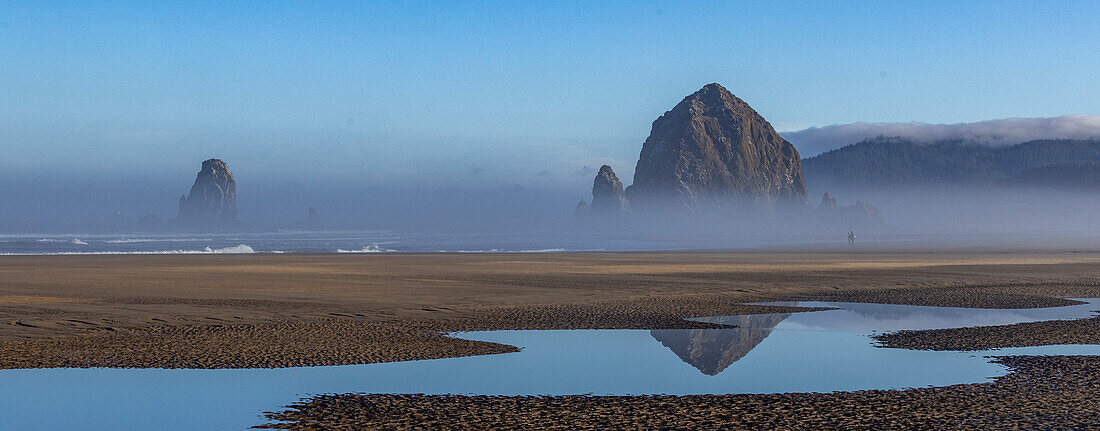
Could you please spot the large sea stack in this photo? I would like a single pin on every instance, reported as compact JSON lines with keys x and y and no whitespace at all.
{"x":713,"y":151}
{"x":212,"y":201}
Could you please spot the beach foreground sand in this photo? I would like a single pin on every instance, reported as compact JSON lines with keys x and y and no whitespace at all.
{"x":294,"y":310}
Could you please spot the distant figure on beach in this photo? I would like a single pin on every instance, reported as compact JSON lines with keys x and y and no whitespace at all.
{"x":851,"y":237}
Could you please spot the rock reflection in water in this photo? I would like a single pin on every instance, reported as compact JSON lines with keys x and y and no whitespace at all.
{"x":712,"y":350}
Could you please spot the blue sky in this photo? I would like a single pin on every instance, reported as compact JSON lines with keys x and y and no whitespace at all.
{"x":494,"y":92}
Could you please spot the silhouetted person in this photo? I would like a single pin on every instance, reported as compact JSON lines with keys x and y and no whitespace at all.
{"x":851,"y":237}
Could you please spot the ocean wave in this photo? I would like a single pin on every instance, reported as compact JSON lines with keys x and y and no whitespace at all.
{"x":373,"y":248}
{"x":496,"y":250}
{"x":142,"y":240}
{"x":238,"y":249}
{"x":74,"y":241}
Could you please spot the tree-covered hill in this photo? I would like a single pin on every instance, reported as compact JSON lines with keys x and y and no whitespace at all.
{"x":894,"y":162}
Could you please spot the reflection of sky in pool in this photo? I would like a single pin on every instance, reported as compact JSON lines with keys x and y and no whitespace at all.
{"x":800,"y":352}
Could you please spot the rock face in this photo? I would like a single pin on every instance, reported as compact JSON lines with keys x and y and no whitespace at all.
{"x":864,"y":214}
{"x":859,"y":216}
{"x":583,"y":209}
{"x":212,"y":200}
{"x":828,"y":202}
{"x":713,"y":150}
{"x":607,"y":193}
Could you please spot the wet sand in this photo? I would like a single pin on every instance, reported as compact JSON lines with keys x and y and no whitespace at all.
{"x":280,"y":310}
{"x":350,"y":341}
{"x":287,"y":310}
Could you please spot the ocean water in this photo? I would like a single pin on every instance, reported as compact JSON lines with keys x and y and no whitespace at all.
{"x":364,"y":242}
{"x":820,"y":351}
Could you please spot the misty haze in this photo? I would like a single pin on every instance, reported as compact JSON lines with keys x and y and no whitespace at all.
{"x":958,"y":179}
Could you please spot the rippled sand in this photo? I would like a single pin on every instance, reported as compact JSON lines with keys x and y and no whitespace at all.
{"x":202,"y":310}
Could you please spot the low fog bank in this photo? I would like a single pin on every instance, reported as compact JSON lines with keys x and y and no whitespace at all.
{"x":118,"y":205}
{"x":546,"y":215}
{"x":981,"y":210}
{"x":1008,"y":131}
{"x":927,"y":217}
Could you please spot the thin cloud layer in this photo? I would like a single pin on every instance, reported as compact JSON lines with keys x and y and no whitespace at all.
{"x":1007,"y":131}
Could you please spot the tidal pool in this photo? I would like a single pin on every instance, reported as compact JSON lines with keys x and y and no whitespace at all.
{"x":799,"y":352}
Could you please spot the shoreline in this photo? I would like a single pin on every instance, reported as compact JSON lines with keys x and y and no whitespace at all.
{"x":375,"y":242}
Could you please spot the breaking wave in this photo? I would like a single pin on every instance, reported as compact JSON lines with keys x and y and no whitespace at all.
{"x":74,"y":241}
{"x":497,"y":250}
{"x":238,"y":249}
{"x":144,"y":240}
{"x":373,"y":248}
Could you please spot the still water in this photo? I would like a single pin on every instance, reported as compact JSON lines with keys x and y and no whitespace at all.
{"x":801,"y":352}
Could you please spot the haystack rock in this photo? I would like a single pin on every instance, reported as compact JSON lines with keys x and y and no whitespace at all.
{"x":212,"y":200}
{"x":712,"y":150}
{"x":607,"y":193}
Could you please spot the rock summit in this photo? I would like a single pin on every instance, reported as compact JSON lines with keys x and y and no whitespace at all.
{"x":212,"y":200}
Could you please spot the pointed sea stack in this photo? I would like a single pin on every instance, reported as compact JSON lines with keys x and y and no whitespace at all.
{"x":312,"y":218}
{"x":312,"y":221}
{"x":712,"y":150}
{"x":583,"y":209}
{"x":607,"y":193}
{"x":212,"y":201}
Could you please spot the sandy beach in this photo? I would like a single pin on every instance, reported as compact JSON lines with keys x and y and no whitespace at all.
{"x":49,"y":296}
{"x":301,"y":310}
{"x":204,"y":311}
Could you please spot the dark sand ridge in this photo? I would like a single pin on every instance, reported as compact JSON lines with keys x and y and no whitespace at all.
{"x":1084,"y":331}
{"x":274,"y":311}
{"x":1056,"y":392}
